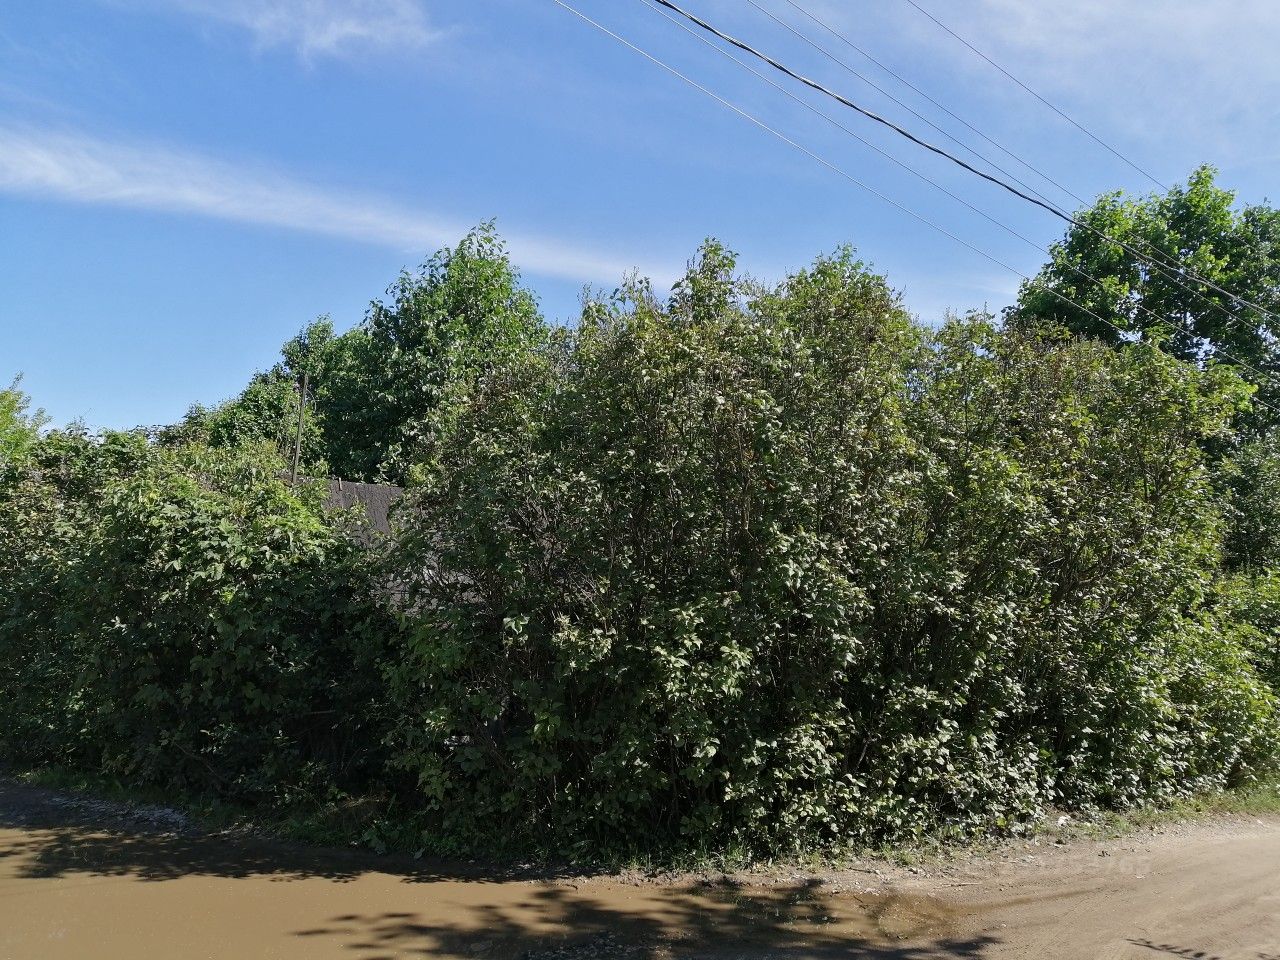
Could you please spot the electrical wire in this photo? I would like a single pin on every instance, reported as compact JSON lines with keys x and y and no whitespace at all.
{"x":931,"y":182}
{"x":1090,"y":134}
{"x":843,"y":38}
{"x":905,"y":106}
{"x":1170,"y":267}
{"x":845,"y":101}
{"x":870,"y":114}
{"x":849,"y":68}
{"x":839,"y":170}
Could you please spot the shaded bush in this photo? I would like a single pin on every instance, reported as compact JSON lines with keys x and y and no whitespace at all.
{"x":1250,"y":477}
{"x":184,"y":617}
{"x":48,"y":516}
{"x":1251,"y":608}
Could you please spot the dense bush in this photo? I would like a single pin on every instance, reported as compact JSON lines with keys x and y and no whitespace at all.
{"x":782,"y":568}
{"x":1251,"y":607}
{"x":265,"y":412}
{"x":183,"y":617}
{"x":46,"y":512}
{"x":1249,"y":474}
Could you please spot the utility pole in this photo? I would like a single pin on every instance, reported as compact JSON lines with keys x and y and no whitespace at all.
{"x":297,"y":440}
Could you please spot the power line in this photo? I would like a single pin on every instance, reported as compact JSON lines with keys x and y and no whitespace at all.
{"x":824,"y":25}
{"x":1156,"y":255}
{"x":870,"y":114}
{"x":839,"y":170}
{"x":905,"y":106}
{"x":1093,"y":136}
{"x":930,"y":181}
{"x":1049,"y":207}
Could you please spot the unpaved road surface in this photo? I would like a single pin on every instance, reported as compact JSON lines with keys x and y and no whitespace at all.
{"x":80,"y":879}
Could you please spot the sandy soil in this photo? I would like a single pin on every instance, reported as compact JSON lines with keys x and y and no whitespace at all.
{"x":82,"y":879}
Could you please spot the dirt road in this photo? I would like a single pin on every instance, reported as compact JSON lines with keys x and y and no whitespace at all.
{"x":84,"y":880}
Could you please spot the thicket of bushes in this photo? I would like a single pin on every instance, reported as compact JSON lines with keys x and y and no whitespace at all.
{"x":183,"y":617}
{"x":770,"y":568}
{"x":784,"y":568}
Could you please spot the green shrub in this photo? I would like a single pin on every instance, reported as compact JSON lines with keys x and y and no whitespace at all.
{"x":48,"y":518}
{"x":193,"y":622}
{"x":1250,"y":477}
{"x":1251,"y":608}
{"x":782,"y":569}
{"x":19,"y":425}
{"x":763,"y":569}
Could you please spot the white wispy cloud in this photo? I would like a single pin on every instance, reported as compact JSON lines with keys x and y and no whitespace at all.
{"x":1174,"y":72}
{"x":1168,"y":49}
{"x":73,"y":167}
{"x":312,"y":27}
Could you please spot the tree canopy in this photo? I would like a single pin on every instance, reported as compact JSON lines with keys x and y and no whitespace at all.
{"x":1156,"y":267}
{"x":377,"y":392}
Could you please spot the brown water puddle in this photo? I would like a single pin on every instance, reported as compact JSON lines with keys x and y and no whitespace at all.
{"x":86,"y":889}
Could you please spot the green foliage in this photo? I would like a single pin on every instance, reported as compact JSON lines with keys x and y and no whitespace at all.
{"x":1251,"y":607}
{"x":1198,"y":225}
{"x":1249,"y":475}
{"x":780,"y":569}
{"x":1228,"y":248}
{"x":392,"y":385}
{"x":181,"y":616}
{"x":266,"y":411}
{"x":19,"y":425}
{"x":379,"y":393}
{"x":47,"y":510}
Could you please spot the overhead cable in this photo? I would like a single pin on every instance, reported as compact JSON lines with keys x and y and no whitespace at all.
{"x":861,"y":51}
{"x":1075,"y":123}
{"x":839,"y":170}
{"x":937,"y":186}
{"x":870,"y":114}
{"x":1171,"y":267}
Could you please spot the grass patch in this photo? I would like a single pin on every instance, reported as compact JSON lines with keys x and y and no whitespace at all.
{"x":1262,"y":799}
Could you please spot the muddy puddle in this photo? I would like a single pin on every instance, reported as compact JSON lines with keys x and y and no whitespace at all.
{"x":75,"y":884}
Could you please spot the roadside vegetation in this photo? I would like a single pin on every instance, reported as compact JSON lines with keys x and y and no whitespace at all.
{"x":773,"y":570}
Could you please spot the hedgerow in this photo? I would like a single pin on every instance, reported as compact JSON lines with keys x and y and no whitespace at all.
{"x":773,"y":569}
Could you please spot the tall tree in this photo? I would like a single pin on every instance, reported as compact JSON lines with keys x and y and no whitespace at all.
{"x":379,"y":393}
{"x":1200,"y":274}
{"x":388,"y":386}
{"x":1180,"y":252}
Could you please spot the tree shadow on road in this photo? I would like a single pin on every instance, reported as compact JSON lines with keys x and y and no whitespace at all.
{"x":556,"y":923}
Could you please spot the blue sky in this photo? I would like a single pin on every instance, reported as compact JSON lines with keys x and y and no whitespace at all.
{"x":185,"y":183}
